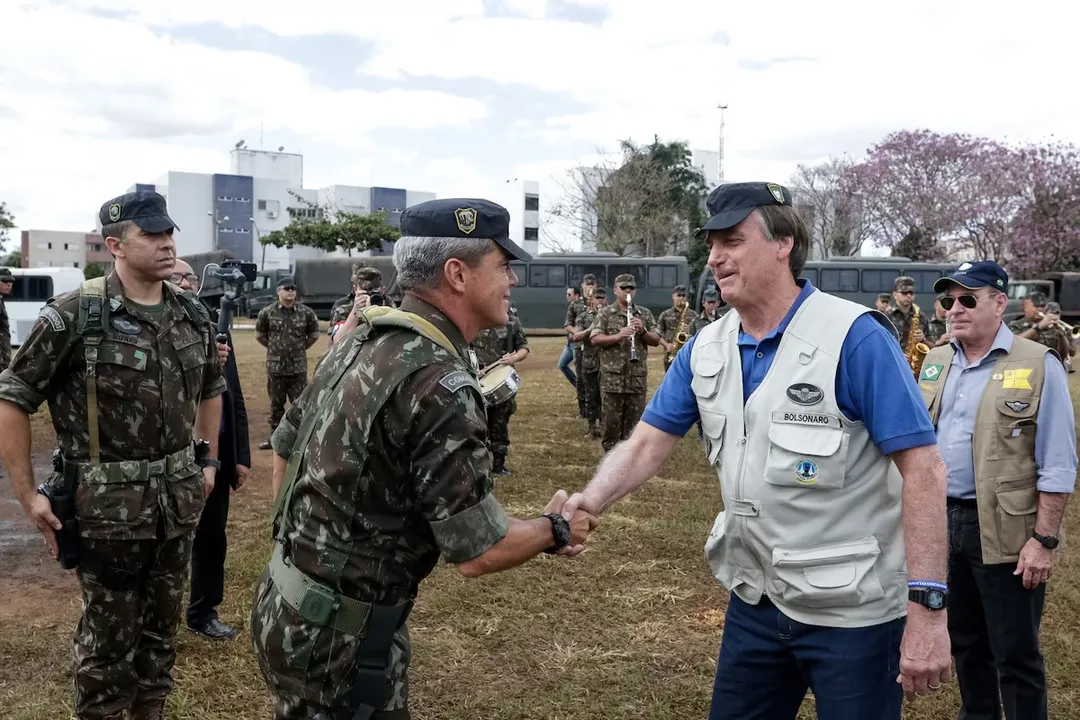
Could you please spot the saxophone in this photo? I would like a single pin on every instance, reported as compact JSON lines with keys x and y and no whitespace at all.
{"x":915,"y":351}
{"x":680,"y":336}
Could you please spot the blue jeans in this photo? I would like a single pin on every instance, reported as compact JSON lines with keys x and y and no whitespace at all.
{"x":565,"y":361}
{"x":767,"y":662}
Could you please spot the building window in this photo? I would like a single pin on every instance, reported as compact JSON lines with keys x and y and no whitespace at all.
{"x":532,"y":233}
{"x":76,"y":264}
{"x":262,"y":205}
{"x":532,"y":202}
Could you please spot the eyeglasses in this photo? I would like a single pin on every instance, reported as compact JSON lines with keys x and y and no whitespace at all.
{"x":905,"y":292}
{"x":288,"y":287}
{"x":628,"y":287}
{"x":968,"y":301}
{"x":179,"y":278}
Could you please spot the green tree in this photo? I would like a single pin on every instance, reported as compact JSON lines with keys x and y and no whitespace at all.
{"x":93,"y":270}
{"x":7,"y":222}
{"x":332,"y":230}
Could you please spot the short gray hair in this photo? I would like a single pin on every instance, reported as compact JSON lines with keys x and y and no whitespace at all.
{"x":419,"y":261}
{"x":117,"y":230}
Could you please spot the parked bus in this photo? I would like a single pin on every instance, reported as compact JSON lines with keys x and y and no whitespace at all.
{"x":862,"y":279}
{"x":31,"y":290}
{"x":540,"y":295}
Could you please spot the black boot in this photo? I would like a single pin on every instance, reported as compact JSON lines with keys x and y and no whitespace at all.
{"x":498,"y":465}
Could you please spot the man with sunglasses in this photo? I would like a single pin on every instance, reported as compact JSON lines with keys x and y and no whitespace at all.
{"x":901,"y":315}
{"x":1004,"y":421}
{"x":286,"y":329}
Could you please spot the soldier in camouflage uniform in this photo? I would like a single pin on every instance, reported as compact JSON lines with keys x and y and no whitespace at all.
{"x":590,"y":360}
{"x":938,"y":330}
{"x":575,"y":307}
{"x":710,"y":299}
{"x":286,"y":329}
{"x":1042,"y":326}
{"x":904,"y":297}
{"x":125,"y":432}
{"x":365,"y":281}
{"x":382,"y":468}
{"x":6,"y":280}
{"x":623,"y":382}
{"x":509,"y":344}
{"x":677,"y":318}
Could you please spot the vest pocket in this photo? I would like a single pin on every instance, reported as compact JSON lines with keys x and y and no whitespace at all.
{"x":1017,"y":510}
{"x":806,"y":456}
{"x":834,"y":575}
{"x":712,"y":427}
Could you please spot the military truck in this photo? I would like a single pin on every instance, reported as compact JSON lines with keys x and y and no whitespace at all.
{"x":1060,"y":287}
{"x":320,"y":282}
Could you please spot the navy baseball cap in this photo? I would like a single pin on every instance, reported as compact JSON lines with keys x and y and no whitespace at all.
{"x":462,"y":218}
{"x":710,"y":296}
{"x":286,"y":281}
{"x":679,"y":290}
{"x":972,"y":276}
{"x":732,"y":203}
{"x":146,"y":209}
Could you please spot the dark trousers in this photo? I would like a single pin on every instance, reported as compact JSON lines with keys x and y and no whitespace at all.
{"x":767,"y":662}
{"x":994,"y":630}
{"x":208,"y":556}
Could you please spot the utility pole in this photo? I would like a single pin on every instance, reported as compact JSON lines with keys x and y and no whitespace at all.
{"x":720,"y":155}
{"x":215,"y":217}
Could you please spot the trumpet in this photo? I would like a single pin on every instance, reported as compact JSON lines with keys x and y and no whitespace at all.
{"x":1073,"y":331}
{"x":633,"y":345}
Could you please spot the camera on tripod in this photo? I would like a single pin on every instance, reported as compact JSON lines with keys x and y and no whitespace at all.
{"x":235,"y":275}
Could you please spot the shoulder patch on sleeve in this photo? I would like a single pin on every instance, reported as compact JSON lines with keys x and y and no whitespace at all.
{"x":457,"y":380}
{"x":56,"y":320}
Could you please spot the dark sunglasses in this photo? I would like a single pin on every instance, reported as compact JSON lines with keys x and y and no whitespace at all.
{"x":628,"y":287}
{"x":968,"y":301}
{"x":288,"y":287}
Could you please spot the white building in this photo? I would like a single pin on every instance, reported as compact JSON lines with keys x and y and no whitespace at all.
{"x":522,"y":199}
{"x":263,"y":193}
{"x":708,"y":162}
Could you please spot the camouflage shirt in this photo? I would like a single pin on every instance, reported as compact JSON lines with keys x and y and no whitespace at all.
{"x":590,"y":354}
{"x":702,"y":319}
{"x":339,"y":313}
{"x":151,"y":378}
{"x":288,"y":331}
{"x":902,"y":321}
{"x":491,"y":344}
{"x":937,"y":328}
{"x":572,"y":311}
{"x":5,"y":335}
{"x":617,"y":372}
{"x":668,"y":323}
{"x":1053,"y":337}
{"x":424,"y":487}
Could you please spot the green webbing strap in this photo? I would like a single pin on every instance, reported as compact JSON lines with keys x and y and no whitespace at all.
{"x":93,"y":315}
{"x":376,"y":317}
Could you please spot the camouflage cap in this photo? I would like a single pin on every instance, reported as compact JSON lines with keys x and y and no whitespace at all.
{"x":625,"y":279}
{"x":600,"y":293}
{"x":710,"y":295}
{"x":903,"y":283}
{"x":5,"y":275}
{"x":367,"y":278}
{"x":1037,"y":299}
{"x":287,"y":281}
{"x":589,"y":278}
{"x":679,"y":290}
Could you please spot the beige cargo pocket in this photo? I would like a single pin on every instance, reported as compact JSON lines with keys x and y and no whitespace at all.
{"x":712,"y":427}
{"x":1017,"y":511}
{"x":810,"y":456}
{"x":833,"y":575}
{"x":731,"y":563}
{"x":1016,"y":433}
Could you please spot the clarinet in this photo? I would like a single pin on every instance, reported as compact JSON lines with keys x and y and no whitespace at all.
{"x":633,"y":345}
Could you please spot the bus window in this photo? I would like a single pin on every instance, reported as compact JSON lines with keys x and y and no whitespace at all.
{"x":31,"y":288}
{"x":811,"y":275}
{"x":879,"y":281}
{"x":638,"y":271}
{"x":925,"y":279}
{"x":835,"y":280}
{"x":663,"y":276}
{"x":547,"y":276}
{"x":579,"y":271}
{"x":522,"y":276}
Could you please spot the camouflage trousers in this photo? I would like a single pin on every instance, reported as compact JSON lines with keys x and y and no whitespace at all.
{"x":580,"y":385}
{"x":280,"y":388}
{"x":124,"y":642}
{"x":591,"y":383}
{"x":620,"y":413}
{"x":309,"y":669}
{"x":498,"y":426}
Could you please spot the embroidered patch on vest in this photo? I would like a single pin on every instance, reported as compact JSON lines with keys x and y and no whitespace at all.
{"x":457,"y":380}
{"x":55,"y":319}
{"x":127,"y":326}
{"x":805,"y":394}
{"x":806,"y":418}
{"x":1017,"y":379}
{"x":806,"y":472}
{"x":1017,"y":405}
{"x":931,"y":372}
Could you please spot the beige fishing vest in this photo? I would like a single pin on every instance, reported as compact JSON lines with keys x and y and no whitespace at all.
{"x":1003,"y":444}
{"x":811,"y":507}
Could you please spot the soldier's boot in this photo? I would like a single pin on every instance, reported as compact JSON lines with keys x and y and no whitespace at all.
{"x":153,"y":710}
{"x":498,"y":465}
{"x":593,"y":432}
{"x":265,"y":445}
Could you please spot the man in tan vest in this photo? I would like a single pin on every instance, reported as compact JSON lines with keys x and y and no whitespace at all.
{"x":833,"y":533}
{"x":1004,"y":423}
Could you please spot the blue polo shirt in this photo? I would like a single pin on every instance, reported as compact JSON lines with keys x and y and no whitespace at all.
{"x":874,"y":383}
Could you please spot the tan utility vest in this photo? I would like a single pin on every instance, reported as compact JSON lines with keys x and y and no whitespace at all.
{"x":811,"y":506}
{"x":1003,"y":444}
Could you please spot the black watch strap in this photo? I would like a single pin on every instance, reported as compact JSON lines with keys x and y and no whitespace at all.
{"x":560,"y":530}
{"x":929,"y":598}
{"x":1047,"y":541}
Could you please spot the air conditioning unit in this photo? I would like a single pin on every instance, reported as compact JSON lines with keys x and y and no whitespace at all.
{"x":271,"y":214}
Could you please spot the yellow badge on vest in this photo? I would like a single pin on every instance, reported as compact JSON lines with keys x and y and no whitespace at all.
{"x":1016,"y":379}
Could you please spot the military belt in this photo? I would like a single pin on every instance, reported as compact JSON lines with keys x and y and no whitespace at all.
{"x":315,"y":602}
{"x":167,"y":465}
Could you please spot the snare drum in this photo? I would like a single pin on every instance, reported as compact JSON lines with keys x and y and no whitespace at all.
{"x":500,"y":384}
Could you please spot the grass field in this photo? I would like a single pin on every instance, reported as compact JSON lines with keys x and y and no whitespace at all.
{"x":629,"y":629}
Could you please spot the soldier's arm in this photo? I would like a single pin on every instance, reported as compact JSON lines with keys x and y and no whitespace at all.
{"x":312,"y":328}
{"x":652,"y":335}
{"x":449,"y":468}
{"x":262,"y":327}
{"x":284,"y":437}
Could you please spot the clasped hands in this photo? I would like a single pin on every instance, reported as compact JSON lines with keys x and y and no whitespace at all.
{"x":581,"y":521}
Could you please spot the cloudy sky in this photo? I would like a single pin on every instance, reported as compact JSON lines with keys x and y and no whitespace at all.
{"x":457,"y":96}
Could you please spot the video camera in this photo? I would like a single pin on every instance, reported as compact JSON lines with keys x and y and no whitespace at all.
{"x":235,"y":274}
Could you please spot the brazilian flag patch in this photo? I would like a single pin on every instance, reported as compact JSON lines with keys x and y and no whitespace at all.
{"x":931,"y":372}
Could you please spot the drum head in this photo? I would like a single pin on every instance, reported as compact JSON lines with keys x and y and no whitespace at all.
{"x":496,"y":376}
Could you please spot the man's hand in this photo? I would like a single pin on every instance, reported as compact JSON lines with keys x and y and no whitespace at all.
{"x":919,"y":336}
{"x":577,"y":505}
{"x":1036,"y":563}
{"x":222,"y":352}
{"x":581,"y":524}
{"x":925,"y":653}
{"x":508,"y":358}
{"x":637,"y":324}
{"x":40,"y":513}
{"x":241,"y":475}
{"x":208,"y":474}
{"x":361,"y":301}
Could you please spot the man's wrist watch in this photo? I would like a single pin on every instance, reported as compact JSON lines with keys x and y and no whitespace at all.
{"x":1047,"y":541}
{"x":560,"y":530}
{"x":929,"y":598}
